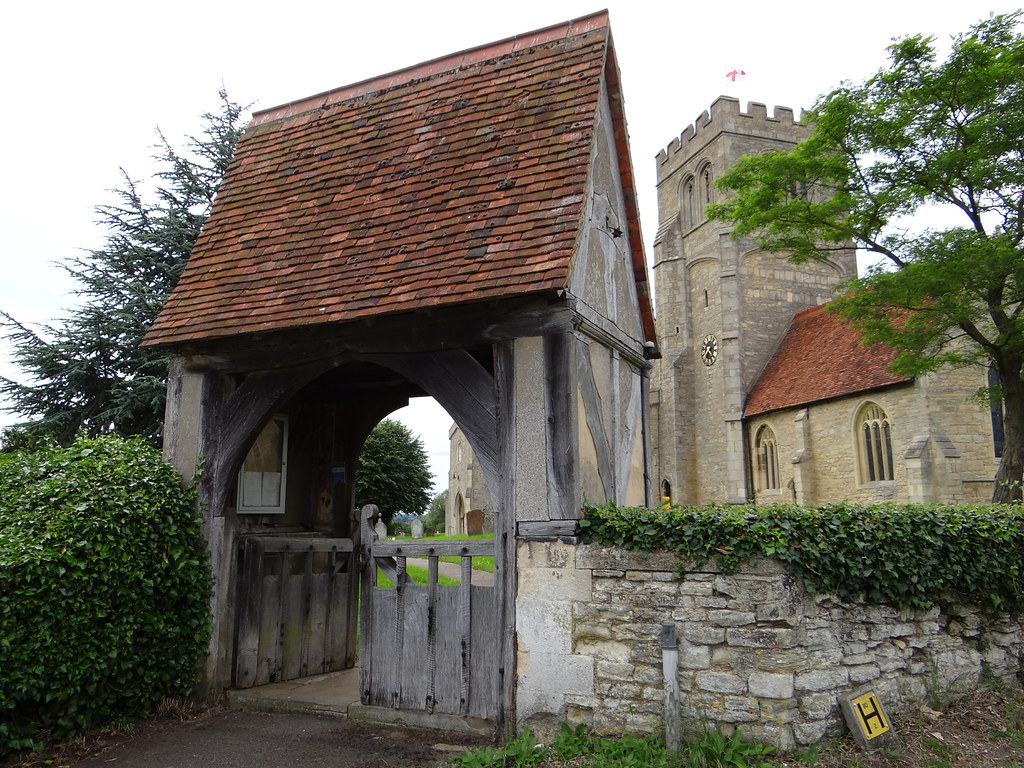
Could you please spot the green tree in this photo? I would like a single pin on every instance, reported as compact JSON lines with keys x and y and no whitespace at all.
{"x":393,"y":471}
{"x":434,"y":520}
{"x":87,"y":373}
{"x":920,"y":133}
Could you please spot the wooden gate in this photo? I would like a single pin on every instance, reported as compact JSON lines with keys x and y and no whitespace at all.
{"x":430,"y":647}
{"x":297,"y":608}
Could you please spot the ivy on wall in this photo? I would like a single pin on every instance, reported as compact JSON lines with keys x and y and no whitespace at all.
{"x":913,"y":556}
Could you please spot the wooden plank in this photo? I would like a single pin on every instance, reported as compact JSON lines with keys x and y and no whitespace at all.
{"x":267,"y":662}
{"x":413,"y":659}
{"x":402,"y":583}
{"x":431,"y":632}
{"x":595,"y":412}
{"x":465,"y":632}
{"x":448,"y":653}
{"x":608,"y":334}
{"x":277,"y":671}
{"x":249,"y":603}
{"x":463,"y":327}
{"x":367,"y":578}
{"x":384,"y":649}
{"x":443,"y":548}
{"x":531,"y":530}
{"x":483,"y":672}
{"x":561,"y":427}
{"x":505,"y":539}
{"x":293,"y":619}
{"x":302,"y":544}
{"x":317,"y":654}
{"x":353,"y":581}
{"x":305,"y":610}
{"x":336,"y":621}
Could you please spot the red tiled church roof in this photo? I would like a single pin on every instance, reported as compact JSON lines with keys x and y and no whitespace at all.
{"x":461,"y":179}
{"x":820,"y":358}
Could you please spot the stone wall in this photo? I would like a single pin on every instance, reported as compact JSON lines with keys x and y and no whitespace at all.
{"x":941,"y":440}
{"x":755,"y":649}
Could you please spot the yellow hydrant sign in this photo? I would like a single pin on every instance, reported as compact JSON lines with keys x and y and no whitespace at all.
{"x":866,"y":718}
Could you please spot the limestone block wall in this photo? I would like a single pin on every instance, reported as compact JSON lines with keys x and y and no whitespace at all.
{"x":941,"y":440}
{"x":756,"y":650}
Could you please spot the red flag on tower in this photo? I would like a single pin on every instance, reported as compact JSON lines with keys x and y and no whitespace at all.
{"x":735,"y":74}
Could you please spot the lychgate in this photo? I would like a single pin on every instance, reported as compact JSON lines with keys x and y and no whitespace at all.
{"x":465,"y":229}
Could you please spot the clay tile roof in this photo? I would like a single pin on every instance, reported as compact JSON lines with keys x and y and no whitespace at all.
{"x":460,"y":179}
{"x":820,"y":358}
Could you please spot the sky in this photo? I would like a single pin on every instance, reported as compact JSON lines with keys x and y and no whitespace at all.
{"x":86,"y":85}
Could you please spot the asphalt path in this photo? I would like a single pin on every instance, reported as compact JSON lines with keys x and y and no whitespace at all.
{"x":225,"y":738}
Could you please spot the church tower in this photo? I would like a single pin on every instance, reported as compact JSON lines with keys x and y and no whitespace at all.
{"x":723,"y":305}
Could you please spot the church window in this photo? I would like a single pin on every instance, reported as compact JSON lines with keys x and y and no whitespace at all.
{"x":767,"y":459}
{"x":666,"y":493}
{"x":875,"y":441}
{"x":689,"y":204}
{"x":706,"y":183}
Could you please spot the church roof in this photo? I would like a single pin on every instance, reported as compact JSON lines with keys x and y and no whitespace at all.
{"x":462,"y":179}
{"x":820,"y":358}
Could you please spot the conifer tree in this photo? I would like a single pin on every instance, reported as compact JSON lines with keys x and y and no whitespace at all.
{"x":86,"y":372}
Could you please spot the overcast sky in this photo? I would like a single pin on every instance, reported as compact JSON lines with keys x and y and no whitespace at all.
{"x":85,"y":86}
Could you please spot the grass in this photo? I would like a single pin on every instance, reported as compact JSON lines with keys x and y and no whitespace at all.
{"x":483,"y":563}
{"x":418,"y":575}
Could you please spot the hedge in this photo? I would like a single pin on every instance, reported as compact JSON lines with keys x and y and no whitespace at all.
{"x":913,"y":556}
{"x":104,"y":588}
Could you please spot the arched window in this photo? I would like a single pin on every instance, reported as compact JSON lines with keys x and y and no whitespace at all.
{"x":767,"y":448}
{"x":689,"y":204}
{"x":874,"y":436}
{"x":666,"y":493}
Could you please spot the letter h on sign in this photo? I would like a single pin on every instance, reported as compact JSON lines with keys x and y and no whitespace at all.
{"x":870,"y":716}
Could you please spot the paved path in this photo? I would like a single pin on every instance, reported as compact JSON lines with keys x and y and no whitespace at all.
{"x":232,"y":739}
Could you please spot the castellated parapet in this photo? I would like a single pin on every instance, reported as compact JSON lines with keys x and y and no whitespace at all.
{"x":725,"y":117}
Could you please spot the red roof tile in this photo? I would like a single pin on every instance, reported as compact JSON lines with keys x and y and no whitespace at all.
{"x":461,"y":179}
{"x":820,"y":358}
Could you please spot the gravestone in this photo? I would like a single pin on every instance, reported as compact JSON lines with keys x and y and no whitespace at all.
{"x":381,"y":530}
{"x":475,"y":522}
{"x":417,"y":528}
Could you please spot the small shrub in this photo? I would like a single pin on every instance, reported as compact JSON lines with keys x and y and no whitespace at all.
{"x":104,"y":588}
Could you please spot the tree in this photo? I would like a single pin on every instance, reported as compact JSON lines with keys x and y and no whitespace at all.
{"x":393,"y":471}
{"x":435,"y":518}
{"x":919,"y":133}
{"x":87,"y":373}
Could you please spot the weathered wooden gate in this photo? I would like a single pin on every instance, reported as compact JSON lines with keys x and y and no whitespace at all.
{"x":430,"y":647}
{"x":297,"y":608}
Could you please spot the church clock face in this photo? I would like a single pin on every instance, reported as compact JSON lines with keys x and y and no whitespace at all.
{"x":709,"y":349}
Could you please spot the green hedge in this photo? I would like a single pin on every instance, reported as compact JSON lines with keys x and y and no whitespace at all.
{"x":104,"y":588}
{"x":912,"y":556}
